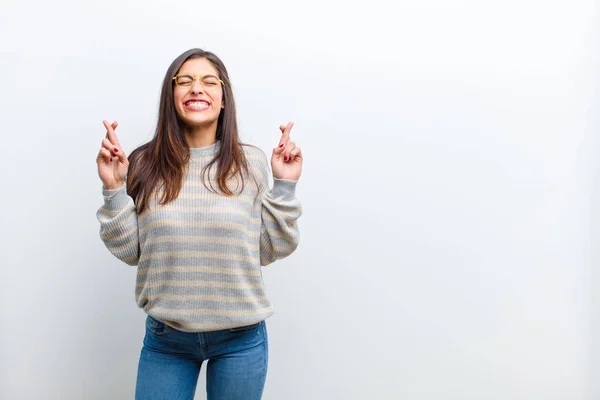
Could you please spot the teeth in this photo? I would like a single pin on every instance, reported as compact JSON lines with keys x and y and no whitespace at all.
{"x":198,"y":104}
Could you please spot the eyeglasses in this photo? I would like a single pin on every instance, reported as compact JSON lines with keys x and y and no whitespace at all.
{"x":208,"y":82}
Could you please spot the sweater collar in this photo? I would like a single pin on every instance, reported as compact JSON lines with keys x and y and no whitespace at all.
{"x":213,"y":149}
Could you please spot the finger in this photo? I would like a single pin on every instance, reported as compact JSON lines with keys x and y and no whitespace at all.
{"x":110,"y":133}
{"x":105,"y":155}
{"x":285,"y":134}
{"x":287,"y":150}
{"x":114,"y":126}
{"x":114,"y":151}
{"x":287,"y":129}
{"x":295,"y":154}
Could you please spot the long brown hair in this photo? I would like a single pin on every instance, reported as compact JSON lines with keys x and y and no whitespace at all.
{"x":163,"y":159}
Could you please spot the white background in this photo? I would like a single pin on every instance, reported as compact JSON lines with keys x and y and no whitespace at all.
{"x":449,"y":238}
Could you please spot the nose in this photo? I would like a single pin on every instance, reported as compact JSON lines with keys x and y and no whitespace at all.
{"x":197,"y":87}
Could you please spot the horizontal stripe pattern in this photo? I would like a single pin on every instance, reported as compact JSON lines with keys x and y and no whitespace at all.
{"x":199,"y":256}
{"x":204,"y":255}
{"x":211,"y":312}
{"x":195,"y":240}
{"x":200,"y":284}
{"x":214,"y":298}
{"x":183,"y":270}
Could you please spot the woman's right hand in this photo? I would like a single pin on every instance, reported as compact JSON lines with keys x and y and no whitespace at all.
{"x":112,"y":162}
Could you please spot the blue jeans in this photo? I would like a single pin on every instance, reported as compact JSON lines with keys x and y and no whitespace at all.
{"x":171,"y":359}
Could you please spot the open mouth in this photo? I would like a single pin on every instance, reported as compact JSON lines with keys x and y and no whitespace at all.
{"x":197,"y":104}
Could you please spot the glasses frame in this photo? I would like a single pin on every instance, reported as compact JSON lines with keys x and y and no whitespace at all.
{"x":194,"y":78}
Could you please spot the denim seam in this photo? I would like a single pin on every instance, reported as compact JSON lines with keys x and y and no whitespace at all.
{"x":266,"y":356}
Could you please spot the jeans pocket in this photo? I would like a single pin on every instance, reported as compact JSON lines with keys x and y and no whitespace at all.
{"x":156,"y":327}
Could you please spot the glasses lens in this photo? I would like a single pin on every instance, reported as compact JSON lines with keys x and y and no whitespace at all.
{"x":210,"y":82}
{"x":184,"y":80}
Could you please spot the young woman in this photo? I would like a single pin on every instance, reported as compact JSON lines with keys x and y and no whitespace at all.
{"x":194,"y":210}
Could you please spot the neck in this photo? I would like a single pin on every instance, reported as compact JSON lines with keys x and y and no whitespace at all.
{"x":201,"y":136}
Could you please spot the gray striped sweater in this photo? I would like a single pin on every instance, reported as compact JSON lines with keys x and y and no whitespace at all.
{"x":199,"y":257}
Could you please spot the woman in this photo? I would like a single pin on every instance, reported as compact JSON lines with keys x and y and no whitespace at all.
{"x":197,"y":216}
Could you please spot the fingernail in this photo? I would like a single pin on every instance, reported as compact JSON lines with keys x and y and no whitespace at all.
{"x":281,"y":145}
{"x":285,"y":158}
{"x":116,"y":150}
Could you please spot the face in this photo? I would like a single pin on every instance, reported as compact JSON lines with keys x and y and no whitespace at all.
{"x":198,"y":105}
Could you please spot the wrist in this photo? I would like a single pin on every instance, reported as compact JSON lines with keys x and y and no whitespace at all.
{"x":115,"y":186}
{"x":288,"y":177}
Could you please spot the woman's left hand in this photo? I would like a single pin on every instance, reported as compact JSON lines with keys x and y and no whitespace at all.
{"x":286,"y":160}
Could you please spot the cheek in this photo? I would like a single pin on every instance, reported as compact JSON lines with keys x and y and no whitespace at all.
{"x":217,"y":102}
{"x":177,"y":101}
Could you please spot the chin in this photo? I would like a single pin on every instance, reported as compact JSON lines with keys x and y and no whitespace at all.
{"x":192,"y":122}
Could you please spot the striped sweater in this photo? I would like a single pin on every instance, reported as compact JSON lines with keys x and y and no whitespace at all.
{"x":199,"y":257}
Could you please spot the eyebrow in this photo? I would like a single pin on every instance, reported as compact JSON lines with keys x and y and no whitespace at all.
{"x":190,"y":74}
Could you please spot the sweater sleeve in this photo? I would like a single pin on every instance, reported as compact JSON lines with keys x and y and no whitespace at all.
{"x":279,"y":235}
{"x":119,"y":225}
